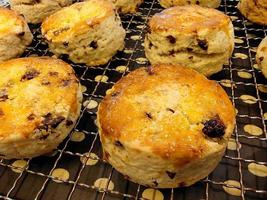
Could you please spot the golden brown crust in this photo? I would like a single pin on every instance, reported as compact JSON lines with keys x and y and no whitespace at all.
{"x":164,"y":111}
{"x":35,"y":92}
{"x":76,"y":19}
{"x":197,"y":18}
{"x":11,"y":21}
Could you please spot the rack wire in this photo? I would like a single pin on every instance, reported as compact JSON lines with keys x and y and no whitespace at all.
{"x":35,"y":180}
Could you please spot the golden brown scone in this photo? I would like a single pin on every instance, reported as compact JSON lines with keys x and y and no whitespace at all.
{"x":88,"y":32}
{"x":15,"y":34}
{"x":193,"y":36}
{"x":261,"y":56}
{"x":204,"y":3}
{"x":165,"y":126}
{"x":254,"y":10}
{"x":35,"y":11}
{"x":127,"y":6}
{"x":40,"y":101}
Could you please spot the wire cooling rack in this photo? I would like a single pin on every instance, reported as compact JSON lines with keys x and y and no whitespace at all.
{"x":76,"y":170}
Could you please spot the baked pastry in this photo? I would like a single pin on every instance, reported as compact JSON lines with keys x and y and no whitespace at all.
{"x":194,"y":36}
{"x":35,"y":11}
{"x":127,"y":6}
{"x":165,"y":126}
{"x":261,"y":56}
{"x":89,"y":32}
{"x":40,"y":101}
{"x":204,"y":3}
{"x":15,"y":34}
{"x":255,"y":11}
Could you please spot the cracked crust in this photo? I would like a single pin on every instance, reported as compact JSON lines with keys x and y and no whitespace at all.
{"x":15,"y":34}
{"x":261,"y":56}
{"x":193,"y":36}
{"x":40,"y":101}
{"x":254,"y":10}
{"x":158,"y":116}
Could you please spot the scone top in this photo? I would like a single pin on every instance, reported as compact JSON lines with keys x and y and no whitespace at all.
{"x":11,"y":22}
{"x":35,"y":93}
{"x":171,"y":111}
{"x":188,"y":19}
{"x":76,"y":18}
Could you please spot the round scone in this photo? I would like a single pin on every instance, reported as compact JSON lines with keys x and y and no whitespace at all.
{"x":204,"y":3}
{"x":40,"y":101}
{"x":261,"y":56}
{"x":15,"y":34}
{"x":127,"y":6}
{"x":166,"y":126}
{"x":202,"y":38}
{"x":255,"y":11}
{"x":89,"y":32}
{"x":35,"y":11}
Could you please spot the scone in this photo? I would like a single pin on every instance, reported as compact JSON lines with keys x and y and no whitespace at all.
{"x":254,"y":10}
{"x":89,"y":32}
{"x":261,"y":56}
{"x":127,"y":6}
{"x":15,"y":34}
{"x":194,"y":36}
{"x":40,"y":101}
{"x":165,"y":126}
{"x":204,"y":3}
{"x":35,"y":11}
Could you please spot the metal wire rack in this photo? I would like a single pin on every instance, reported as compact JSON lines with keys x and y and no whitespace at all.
{"x":35,"y":180}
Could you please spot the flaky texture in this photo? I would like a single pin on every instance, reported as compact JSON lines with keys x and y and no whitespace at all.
{"x":254,"y":10}
{"x":153,"y":126}
{"x":88,"y":32}
{"x":193,"y":36}
{"x":261,"y":56}
{"x":35,"y":11}
{"x":40,"y":101}
{"x":204,"y":3}
{"x":127,"y":6}
{"x":15,"y":34}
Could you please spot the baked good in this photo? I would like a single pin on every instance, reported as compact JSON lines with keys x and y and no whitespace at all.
{"x":15,"y":34}
{"x":204,"y":3}
{"x":88,"y":32}
{"x":194,"y":36}
{"x":40,"y":101}
{"x":35,"y":11}
{"x":165,"y":126}
{"x":127,"y":6}
{"x":261,"y":56}
{"x":254,"y":10}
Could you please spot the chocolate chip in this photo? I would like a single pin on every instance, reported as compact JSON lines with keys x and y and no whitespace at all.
{"x":149,"y":115}
{"x":31,"y":117}
{"x":171,"y":110}
{"x":171,"y":39}
{"x":57,"y":32}
{"x":1,"y":112}
{"x":118,"y":144}
{"x":189,"y":49}
{"x":171,"y":53}
{"x":155,"y":183}
{"x":93,"y":44}
{"x":50,"y":121}
{"x":171,"y":174}
{"x":53,"y":73}
{"x":150,"y":70}
{"x":197,"y":2}
{"x":65,"y":44}
{"x":150,"y":45}
{"x":3,"y":95}
{"x":190,"y":57}
{"x":30,"y":74}
{"x":203,"y":44}
{"x":65,"y":82}
{"x":21,"y":34}
{"x":214,"y":128}
{"x":261,"y":59}
{"x":69,"y":122}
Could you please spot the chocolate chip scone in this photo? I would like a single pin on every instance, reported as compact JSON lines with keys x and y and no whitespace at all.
{"x":254,"y":10}
{"x":40,"y":101}
{"x":15,"y":34}
{"x":165,"y":126}
{"x":193,"y":36}
{"x":261,"y":56}
{"x":204,"y":3}
{"x":35,"y":11}
{"x":89,"y":32}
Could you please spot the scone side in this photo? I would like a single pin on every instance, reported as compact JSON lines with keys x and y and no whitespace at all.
{"x":261,"y":56}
